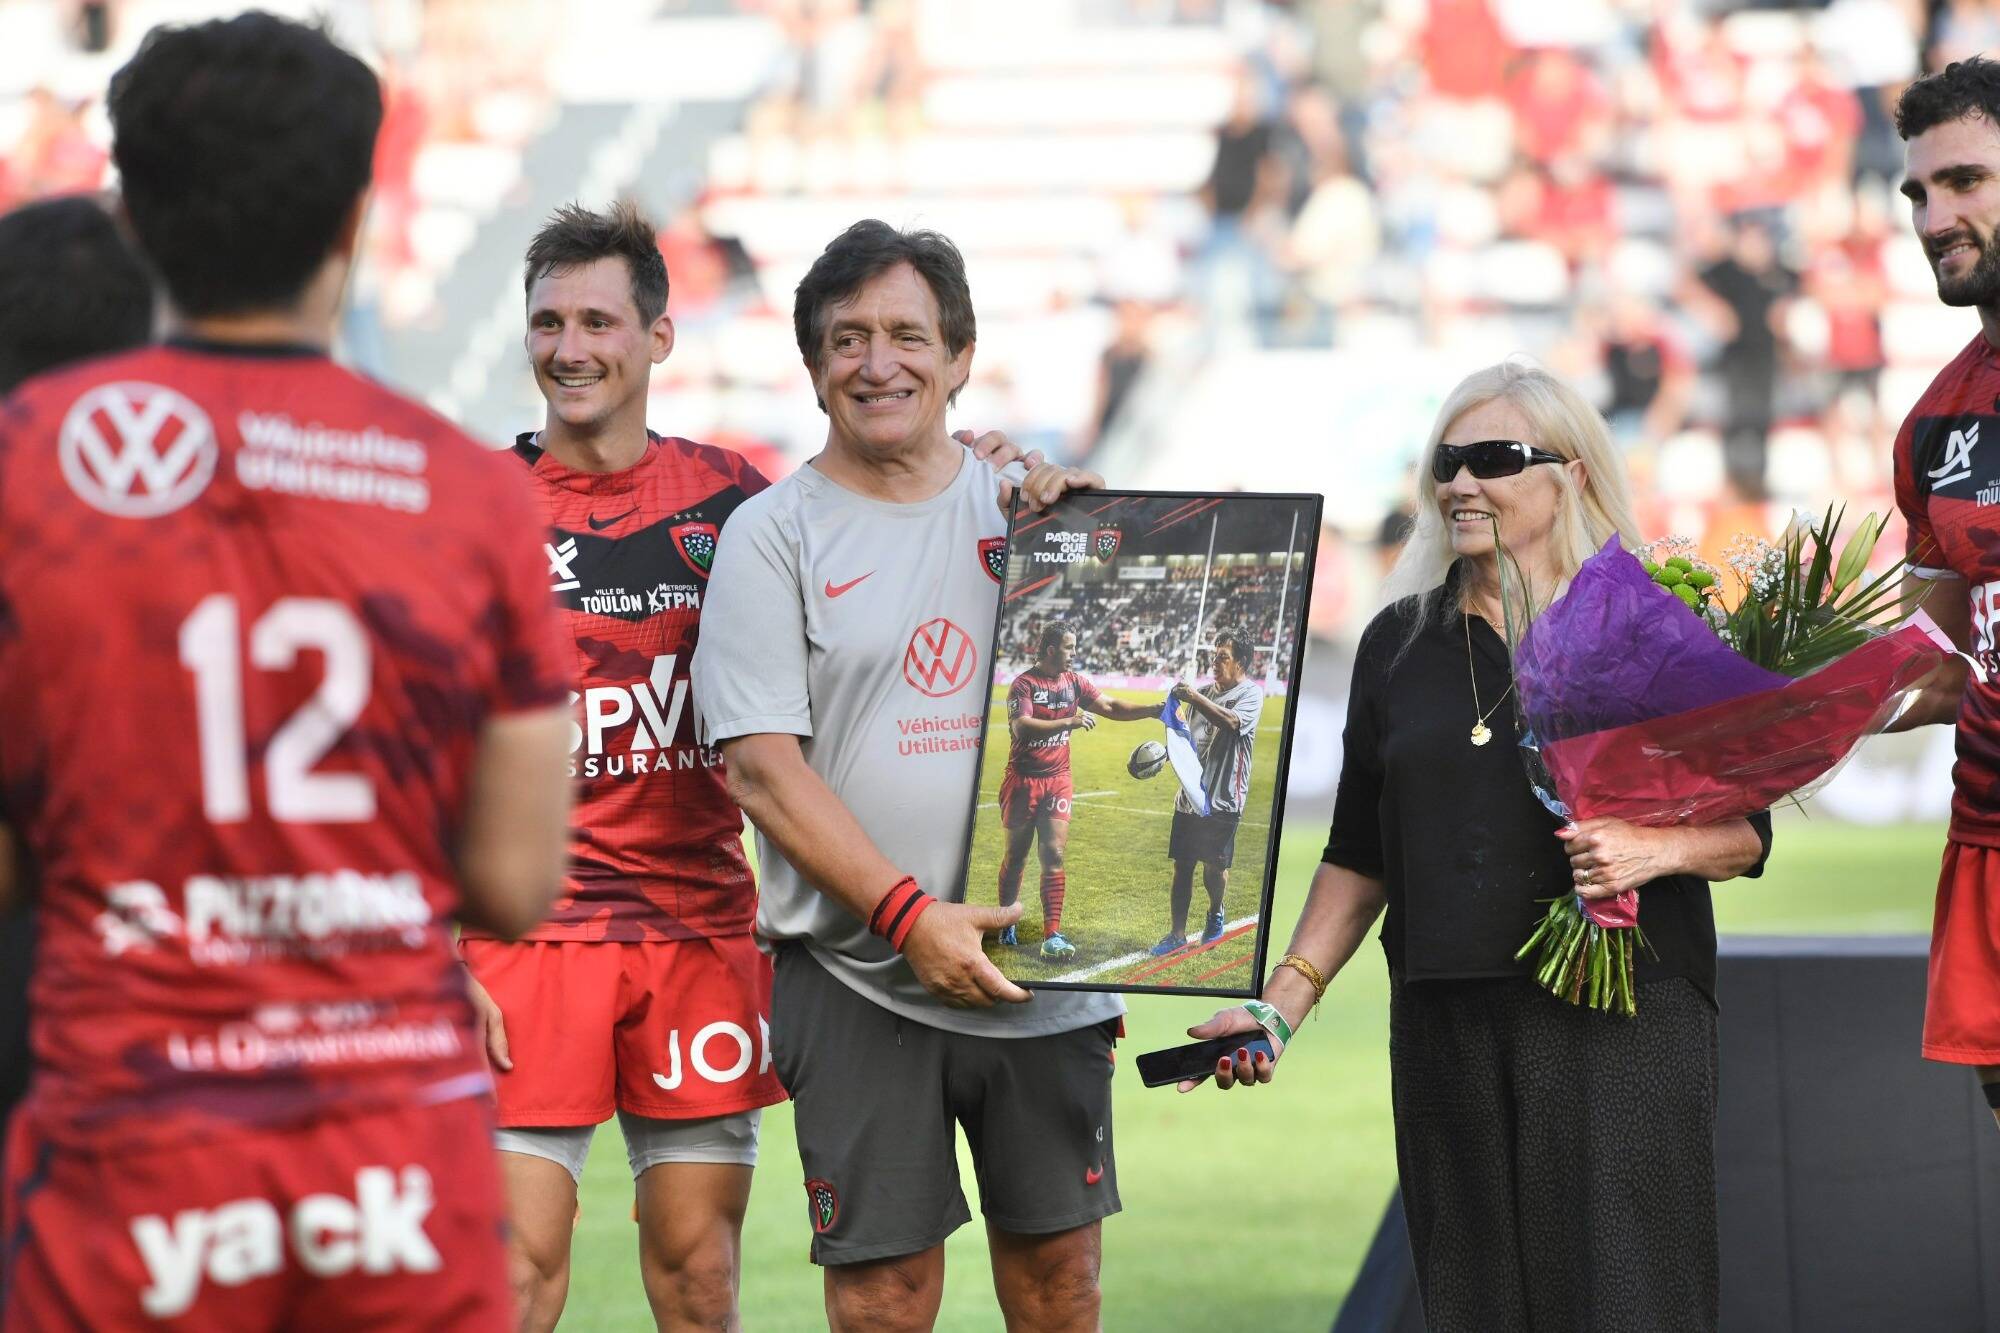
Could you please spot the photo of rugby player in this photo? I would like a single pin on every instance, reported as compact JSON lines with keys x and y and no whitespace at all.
{"x":1180,"y":616}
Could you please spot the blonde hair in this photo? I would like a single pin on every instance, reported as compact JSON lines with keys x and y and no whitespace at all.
{"x":1565,"y":425}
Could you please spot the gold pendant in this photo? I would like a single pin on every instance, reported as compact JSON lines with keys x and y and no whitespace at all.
{"x":1480,"y":733}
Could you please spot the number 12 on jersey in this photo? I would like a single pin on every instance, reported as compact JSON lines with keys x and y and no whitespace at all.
{"x":211,"y":647}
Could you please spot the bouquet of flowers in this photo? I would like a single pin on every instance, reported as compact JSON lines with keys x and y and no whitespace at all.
{"x":1645,"y":695}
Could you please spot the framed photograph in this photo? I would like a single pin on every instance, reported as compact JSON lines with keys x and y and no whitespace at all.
{"x":1132,"y":768}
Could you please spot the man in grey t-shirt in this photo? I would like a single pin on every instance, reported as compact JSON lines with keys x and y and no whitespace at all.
{"x":1224,"y":727}
{"x":842,"y":670}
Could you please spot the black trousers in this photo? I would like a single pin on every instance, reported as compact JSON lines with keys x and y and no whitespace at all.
{"x":1557,"y":1164}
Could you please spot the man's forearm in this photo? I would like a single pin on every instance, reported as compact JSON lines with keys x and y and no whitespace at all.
{"x":1938,"y":701}
{"x":815,"y":831}
{"x":1119,"y":710}
{"x":1212,"y":710}
{"x":1035,"y":728}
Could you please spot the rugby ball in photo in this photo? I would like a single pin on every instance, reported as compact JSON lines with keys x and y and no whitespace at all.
{"x":1147,"y":760}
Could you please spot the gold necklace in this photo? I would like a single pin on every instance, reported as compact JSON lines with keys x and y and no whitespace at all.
{"x":1481,"y":733}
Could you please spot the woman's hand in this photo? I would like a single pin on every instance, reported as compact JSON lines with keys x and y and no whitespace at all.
{"x":1239,"y":1069}
{"x":1609,"y":856}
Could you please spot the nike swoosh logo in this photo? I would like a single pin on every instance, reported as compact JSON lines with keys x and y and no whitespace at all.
{"x":595,"y":526}
{"x":1093,"y":1174}
{"x":835,"y":589}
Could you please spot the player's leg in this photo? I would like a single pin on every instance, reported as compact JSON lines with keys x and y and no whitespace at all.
{"x":889,"y":1295}
{"x":1048,"y":1283}
{"x":1215,"y":879}
{"x":876,"y":1141}
{"x":541,"y":1168}
{"x":559,"y":1004}
{"x":1039,"y":1123}
{"x":694,"y":1073}
{"x":1012,"y":861}
{"x":1017,"y":823}
{"x":691,"y":1239}
{"x":1218,"y":853}
{"x":1185,"y":848}
{"x":1054,"y":844}
{"x":1180,"y":895}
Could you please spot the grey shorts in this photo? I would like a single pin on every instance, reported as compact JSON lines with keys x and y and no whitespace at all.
{"x":876,"y":1097}
{"x":730,"y":1140}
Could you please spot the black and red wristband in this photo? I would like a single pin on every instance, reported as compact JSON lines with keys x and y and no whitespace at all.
{"x":898,"y":911}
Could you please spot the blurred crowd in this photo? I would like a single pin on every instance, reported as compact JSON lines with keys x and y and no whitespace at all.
{"x":1687,"y":208}
{"x":1147,"y":627}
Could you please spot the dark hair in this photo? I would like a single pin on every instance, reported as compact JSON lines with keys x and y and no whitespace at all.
{"x":1240,"y":648}
{"x":1052,"y":634}
{"x":865,"y":249}
{"x":242,"y":145}
{"x":574,"y":236}
{"x":71,"y":288}
{"x":1969,"y":87}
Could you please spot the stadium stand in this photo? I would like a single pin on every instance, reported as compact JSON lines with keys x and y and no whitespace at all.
{"x":1215,"y":243}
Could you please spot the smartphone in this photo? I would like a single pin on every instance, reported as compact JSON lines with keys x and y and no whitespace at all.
{"x":1198,"y":1059}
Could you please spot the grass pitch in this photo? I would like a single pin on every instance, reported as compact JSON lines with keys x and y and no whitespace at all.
{"x":1249,"y":1209}
{"x":1118,"y":874}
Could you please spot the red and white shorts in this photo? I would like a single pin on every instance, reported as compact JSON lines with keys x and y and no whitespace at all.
{"x":1962,"y":1005}
{"x":673,"y":1029}
{"x":384,"y":1219}
{"x":1027,"y":800}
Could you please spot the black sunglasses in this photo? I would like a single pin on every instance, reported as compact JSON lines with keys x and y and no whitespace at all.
{"x":1487,"y":459}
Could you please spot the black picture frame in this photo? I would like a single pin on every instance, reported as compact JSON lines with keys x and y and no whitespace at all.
{"x":1081,"y":515}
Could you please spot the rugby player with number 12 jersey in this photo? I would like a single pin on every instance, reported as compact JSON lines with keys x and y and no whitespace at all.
{"x":280,"y":694}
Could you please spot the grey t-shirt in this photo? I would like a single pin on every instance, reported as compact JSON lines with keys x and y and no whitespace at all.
{"x":864,"y":628}
{"x":1225,"y":753}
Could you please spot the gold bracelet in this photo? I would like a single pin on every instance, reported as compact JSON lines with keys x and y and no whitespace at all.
{"x":1305,"y":968}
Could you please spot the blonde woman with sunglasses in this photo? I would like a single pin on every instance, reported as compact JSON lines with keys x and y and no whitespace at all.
{"x":1557,"y":1163}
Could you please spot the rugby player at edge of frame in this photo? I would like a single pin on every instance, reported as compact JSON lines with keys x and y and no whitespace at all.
{"x":280,"y":693}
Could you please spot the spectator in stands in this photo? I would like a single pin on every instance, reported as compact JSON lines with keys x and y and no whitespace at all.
{"x":1336,"y":236}
{"x":1123,"y":362}
{"x":1238,"y":279}
{"x":1392,"y":534}
{"x":1847,"y":278}
{"x":1746,"y":291}
{"x":1650,"y":374}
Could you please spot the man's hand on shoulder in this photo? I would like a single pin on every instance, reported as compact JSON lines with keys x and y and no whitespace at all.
{"x":1045,"y":482}
{"x":946,"y":953}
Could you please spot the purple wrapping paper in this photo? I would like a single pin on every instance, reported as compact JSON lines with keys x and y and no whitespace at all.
{"x":1617,"y":648}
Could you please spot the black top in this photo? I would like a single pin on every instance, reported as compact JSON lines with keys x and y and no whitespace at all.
{"x":1451,"y":829}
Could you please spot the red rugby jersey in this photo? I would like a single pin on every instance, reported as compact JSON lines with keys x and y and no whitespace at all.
{"x":1948,"y":488}
{"x":656,"y":845}
{"x":254,"y":611}
{"x":1034,"y":695}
